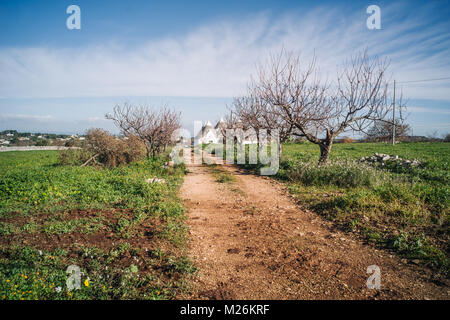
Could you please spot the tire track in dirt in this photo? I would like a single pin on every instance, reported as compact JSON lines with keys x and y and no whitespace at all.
{"x":251,"y":241}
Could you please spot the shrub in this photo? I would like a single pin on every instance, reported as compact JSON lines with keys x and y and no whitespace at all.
{"x":42,"y":143}
{"x":103,"y":148}
{"x":345,"y":140}
{"x":70,"y":143}
{"x":73,"y":157}
{"x":338,"y":173}
{"x":108,"y":150}
{"x":447,"y":138}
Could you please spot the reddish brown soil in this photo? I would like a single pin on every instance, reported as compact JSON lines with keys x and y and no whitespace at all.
{"x":250,"y":240}
{"x":105,"y":238}
{"x":144,"y":241}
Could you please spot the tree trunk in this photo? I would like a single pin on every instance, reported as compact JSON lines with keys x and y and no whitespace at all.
{"x":325,"y":149}
{"x":258,"y":147}
{"x":149,"y":151}
{"x":280,"y":150}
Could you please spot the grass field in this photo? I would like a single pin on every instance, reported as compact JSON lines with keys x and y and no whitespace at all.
{"x":126,"y":235}
{"x":402,"y":209}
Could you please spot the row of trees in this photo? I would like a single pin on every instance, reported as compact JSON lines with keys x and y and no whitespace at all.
{"x":288,"y":94}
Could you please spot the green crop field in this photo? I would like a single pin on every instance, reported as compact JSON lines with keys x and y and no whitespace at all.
{"x":126,"y":235}
{"x":404,"y":209}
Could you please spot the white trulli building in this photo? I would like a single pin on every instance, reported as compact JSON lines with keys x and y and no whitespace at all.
{"x":210,"y":134}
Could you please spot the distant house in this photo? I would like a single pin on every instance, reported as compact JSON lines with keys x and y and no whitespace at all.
{"x":210,"y":134}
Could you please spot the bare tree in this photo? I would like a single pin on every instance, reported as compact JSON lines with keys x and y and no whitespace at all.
{"x":230,"y":121}
{"x":259,"y":115}
{"x":320,"y":111}
{"x":154,"y":127}
{"x":382,"y":131}
{"x":247,"y":113}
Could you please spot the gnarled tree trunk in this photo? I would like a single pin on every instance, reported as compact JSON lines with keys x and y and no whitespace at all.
{"x":325,"y":149}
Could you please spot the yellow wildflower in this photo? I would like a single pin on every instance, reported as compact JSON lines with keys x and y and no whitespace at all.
{"x":86,"y":283}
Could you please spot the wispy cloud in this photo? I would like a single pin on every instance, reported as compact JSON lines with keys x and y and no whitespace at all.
{"x":38,"y":118}
{"x":217,"y":59}
{"x":428,"y":110}
{"x":97,"y":119}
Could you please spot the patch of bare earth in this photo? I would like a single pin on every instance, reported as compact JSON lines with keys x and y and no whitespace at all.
{"x":250,"y":240}
{"x":143,"y":241}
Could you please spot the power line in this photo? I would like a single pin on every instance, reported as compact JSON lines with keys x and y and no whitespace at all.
{"x":424,"y":80}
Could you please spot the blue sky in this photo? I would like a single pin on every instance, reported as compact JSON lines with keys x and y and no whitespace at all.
{"x":197,"y":55}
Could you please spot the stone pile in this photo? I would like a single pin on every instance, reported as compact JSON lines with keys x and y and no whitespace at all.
{"x":383,"y":159}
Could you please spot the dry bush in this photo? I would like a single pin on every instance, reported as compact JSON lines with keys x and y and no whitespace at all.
{"x":73,"y":157}
{"x":112,"y":151}
{"x":134,"y":149}
{"x":104,"y":149}
{"x":347,"y":140}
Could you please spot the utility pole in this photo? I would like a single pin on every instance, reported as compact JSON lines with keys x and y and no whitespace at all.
{"x":393,"y":119}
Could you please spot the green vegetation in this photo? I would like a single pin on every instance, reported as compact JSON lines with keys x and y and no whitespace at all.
{"x":405,"y":209}
{"x":127,"y":235}
{"x":221,"y":176}
{"x":401,"y":208}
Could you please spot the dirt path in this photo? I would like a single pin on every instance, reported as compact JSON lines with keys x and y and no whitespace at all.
{"x":251,"y":241}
